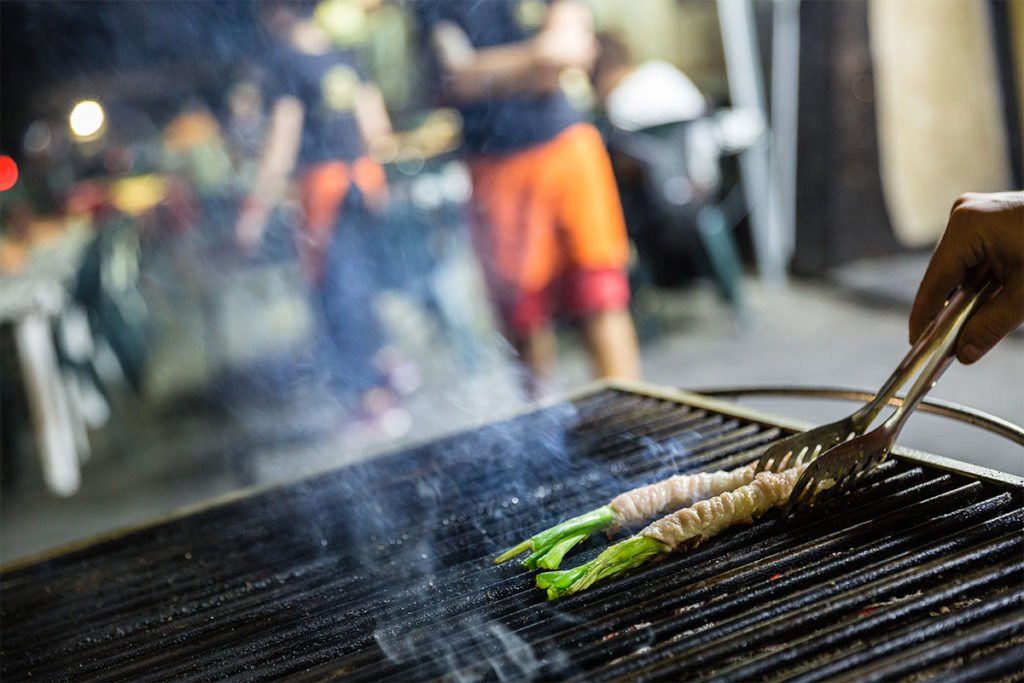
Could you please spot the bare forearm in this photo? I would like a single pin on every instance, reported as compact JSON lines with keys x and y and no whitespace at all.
{"x":280,"y":152}
{"x":478,"y":74}
{"x":503,"y":71}
{"x":279,"y":155}
{"x":528,"y":66}
{"x":372,"y":114}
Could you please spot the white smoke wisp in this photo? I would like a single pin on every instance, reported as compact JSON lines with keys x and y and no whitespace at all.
{"x":449,"y":615}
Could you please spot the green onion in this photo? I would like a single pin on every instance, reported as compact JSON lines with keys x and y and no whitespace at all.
{"x":615,"y":560}
{"x":550,"y":546}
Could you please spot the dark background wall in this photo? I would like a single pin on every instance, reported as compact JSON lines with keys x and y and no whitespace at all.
{"x":840,"y":211}
{"x":151,"y":54}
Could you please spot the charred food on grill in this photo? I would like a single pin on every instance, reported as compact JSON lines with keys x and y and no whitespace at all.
{"x":683,"y":528}
{"x":632,"y":507}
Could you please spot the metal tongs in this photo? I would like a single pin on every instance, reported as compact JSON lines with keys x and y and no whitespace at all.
{"x":846,"y":452}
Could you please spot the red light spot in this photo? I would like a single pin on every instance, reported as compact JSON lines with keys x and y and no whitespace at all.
{"x":775,"y":577}
{"x":8,"y":172}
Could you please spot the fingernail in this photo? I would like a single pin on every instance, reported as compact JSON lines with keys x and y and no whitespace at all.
{"x":971,"y":353}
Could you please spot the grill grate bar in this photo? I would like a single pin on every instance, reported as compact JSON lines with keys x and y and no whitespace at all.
{"x":942,"y":646}
{"x":176,"y":624}
{"x":747,"y":585}
{"x":770,"y":535}
{"x":10,"y":579}
{"x":428,"y":627}
{"x":608,"y":419}
{"x":661,"y":421}
{"x":366,"y":640}
{"x":145,"y":593}
{"x":871,"y":627}
{"x":111,"y":602}
{"x":762,"y":601}
{"x":130,"y":652}
{"x":745,"y":552}
{"x":270,"y":506}
{"x":526,"y":512}
{"x":403,"y":586}
{"x":1002,"y":665}
{"x":626,"y":453}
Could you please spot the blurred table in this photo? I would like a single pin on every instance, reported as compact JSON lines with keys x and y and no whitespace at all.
{"x":33,"y":302}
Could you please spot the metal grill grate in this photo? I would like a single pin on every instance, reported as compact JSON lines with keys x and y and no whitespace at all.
{"x":383,"y":570}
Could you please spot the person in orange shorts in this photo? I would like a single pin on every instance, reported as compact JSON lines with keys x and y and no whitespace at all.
{"x":322,"y":115}
{"x":547,"y":222}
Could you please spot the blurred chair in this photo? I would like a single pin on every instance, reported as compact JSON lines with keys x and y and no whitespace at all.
{"x":679,"y":212}
{"x":48,"y":332}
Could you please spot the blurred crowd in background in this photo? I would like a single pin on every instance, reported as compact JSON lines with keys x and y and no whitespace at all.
{"x":125,"y":208}
{"x":134,"y":140}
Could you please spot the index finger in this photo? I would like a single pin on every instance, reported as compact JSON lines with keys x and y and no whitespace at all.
{"x":955,"y":254}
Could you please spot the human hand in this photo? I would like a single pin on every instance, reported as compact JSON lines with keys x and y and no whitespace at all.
{"x":983,"y":230}
{"x":557,"y":49}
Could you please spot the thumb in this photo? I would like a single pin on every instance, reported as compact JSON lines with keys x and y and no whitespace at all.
{"x":996,"y":318}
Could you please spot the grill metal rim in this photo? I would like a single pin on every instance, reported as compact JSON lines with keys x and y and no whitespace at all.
{"x":763,"y":418}
{"x":954,"y":411}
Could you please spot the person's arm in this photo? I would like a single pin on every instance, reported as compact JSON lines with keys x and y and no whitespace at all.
{"x":528,"y":66}
{"x":279,"y":155}
{"x":374,"y":123}
{"x":372,"y":114}
{"x":983,"y":229}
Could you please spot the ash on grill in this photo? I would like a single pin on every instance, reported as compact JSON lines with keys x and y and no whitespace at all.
{"x":383,"y":571}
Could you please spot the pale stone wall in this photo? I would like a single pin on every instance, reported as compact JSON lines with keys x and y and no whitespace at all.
{"x":941,"y":131}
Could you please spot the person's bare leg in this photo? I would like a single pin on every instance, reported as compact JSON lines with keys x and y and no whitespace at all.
{"x":538,"y":351}
{"x":611,"y":340}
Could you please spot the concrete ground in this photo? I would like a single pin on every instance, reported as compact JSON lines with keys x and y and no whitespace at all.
{"x":850,"y":332}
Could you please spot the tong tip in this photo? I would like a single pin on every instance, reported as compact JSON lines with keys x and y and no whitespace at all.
{"x":806,"y":486}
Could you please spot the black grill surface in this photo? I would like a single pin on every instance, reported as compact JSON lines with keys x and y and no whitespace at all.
{"x":383,"y":570}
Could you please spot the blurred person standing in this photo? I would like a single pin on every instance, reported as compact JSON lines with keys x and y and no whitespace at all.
{"x":548,"y":226}
{"x":323,"y":113}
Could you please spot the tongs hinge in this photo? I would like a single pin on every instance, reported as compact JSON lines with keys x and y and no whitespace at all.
{"x":841,"y":466}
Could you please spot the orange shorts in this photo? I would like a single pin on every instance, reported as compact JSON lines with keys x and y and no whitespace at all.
{"x":549,"y":230}
{"x":324,"y":187}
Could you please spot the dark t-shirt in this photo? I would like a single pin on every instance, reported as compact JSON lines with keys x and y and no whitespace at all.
{"x":326,"y":85}
{"x":505,"y":124}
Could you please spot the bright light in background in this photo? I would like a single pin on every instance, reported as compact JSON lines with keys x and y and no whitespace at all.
{"x":8,"y":172}
{"x":86,"y":118}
